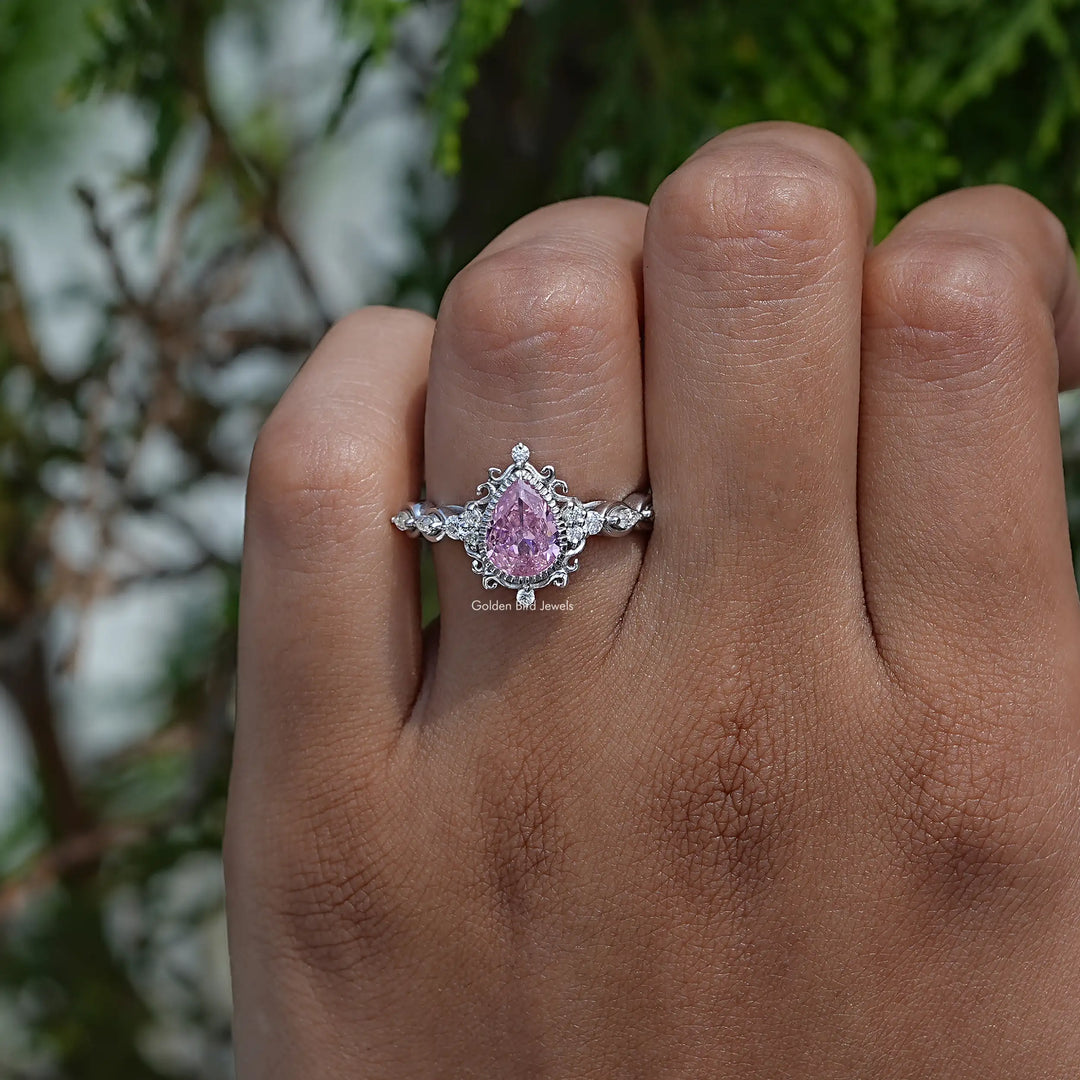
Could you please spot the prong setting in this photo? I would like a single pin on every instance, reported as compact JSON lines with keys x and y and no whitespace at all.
{"x":524,"y":531}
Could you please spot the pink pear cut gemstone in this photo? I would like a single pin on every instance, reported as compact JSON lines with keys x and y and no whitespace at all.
{"x":523,"y":538}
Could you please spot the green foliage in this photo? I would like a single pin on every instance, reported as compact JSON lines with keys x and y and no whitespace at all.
{"x":374,"y":18}
{"x":155,"y":54}
{"x":375,"y":21}
{"x":933,"y":93}
{"x":478,"y":25}
{"x":40,"y":45}
{"x":77,"y":1007}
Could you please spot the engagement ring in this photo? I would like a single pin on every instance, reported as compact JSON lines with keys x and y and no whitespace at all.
{"x":523,"y":531}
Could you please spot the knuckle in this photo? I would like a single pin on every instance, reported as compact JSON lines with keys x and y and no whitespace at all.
{"x":536,"y":303}
{"x":973,"y":814}
{"x":780,"y":213}
{"x":309,"y":477}
{"x":957,"y":304}
{"x":1007,"y":203}
{"x":334,"y":914}
{"x":719,"y":804}
{"x":328,"y":884}
{"x":520,"y":818}
{"x":317,"y":471}
{"x":356,"y":331}
{"x":806,"y":142}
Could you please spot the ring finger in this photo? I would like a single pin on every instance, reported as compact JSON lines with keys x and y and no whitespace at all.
{"x":538,"y":341}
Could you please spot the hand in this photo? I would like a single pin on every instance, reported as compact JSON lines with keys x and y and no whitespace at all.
{"x":793,"y":790}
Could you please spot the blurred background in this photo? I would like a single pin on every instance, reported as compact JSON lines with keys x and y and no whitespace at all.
{"x":189,"y":193}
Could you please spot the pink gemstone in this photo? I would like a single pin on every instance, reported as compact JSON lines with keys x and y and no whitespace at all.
{"x":522,"y":538}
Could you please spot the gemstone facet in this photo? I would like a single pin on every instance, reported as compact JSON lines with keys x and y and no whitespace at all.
{"x":523,"y":537}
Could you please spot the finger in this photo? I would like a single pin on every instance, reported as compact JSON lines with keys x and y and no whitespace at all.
{"x":329,"y":621}
{"x":962,"y":504}
{"x":753,"y":277}
{"x":538,"y":341}
{"x":1066,"y":309}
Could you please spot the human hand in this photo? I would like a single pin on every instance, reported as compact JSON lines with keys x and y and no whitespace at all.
{"x":792,"y":791}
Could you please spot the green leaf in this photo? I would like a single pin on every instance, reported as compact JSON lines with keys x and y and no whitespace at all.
{"x":477,"y":26}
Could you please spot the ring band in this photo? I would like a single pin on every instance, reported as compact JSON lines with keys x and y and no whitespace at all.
{"x":523,"y":531}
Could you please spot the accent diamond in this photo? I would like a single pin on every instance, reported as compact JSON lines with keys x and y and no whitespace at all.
{"x":593,"y":522}
{"x":430,"y":524}
{"x":464,"y":526}
{"x":574,"y":514}
{"x":623,"y":517}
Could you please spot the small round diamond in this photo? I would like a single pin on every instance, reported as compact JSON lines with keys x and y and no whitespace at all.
{"x":403,"y":520}
{"x":430,"y":524}
{"x":463,"y":526}
{"x":593,"y":522}
{"x":520,"y":454}
{"x":574,"y":514}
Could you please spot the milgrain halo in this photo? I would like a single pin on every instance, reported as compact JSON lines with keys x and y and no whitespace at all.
{"x":523,"y":518}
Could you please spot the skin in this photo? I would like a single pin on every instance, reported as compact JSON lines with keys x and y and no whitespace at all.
{"x":793,"y":790}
